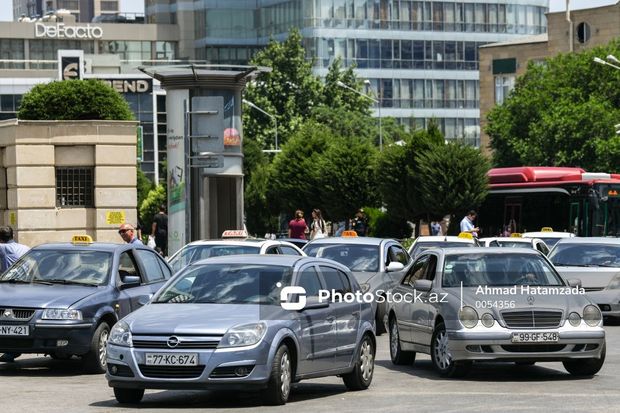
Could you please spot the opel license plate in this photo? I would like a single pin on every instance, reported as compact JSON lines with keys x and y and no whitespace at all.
{"x":14,"y":330}
{"x":536,"y":337}
{"x":171,"y":359}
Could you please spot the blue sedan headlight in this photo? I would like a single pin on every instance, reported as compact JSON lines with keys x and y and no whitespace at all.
{"x":243,"y":335}
{"x":120,"y":335}
{"x":61,"y":314}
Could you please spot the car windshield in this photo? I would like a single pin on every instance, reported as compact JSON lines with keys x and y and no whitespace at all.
{"x":506,"y":269}
{"x":358,"y":257}
{"x":227,"y":284}
{"x":193,"y":253}
{"x":61,"y":266}
{"x":514,"y":244}
{"x":586,"y":255}
{"x":423,"y":246}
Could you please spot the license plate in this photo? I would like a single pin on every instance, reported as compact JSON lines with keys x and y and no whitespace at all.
{"x":536,"y":337}
{"x":171,"y":359}
{"x":14,"y":330}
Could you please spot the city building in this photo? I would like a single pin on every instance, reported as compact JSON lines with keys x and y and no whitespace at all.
{"x":111,"y":52}
{"x":502,"y":63}
{"x":83,"y":10}
{"x":421,"y":57}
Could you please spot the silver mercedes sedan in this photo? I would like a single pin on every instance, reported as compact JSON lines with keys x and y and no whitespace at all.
{"x":244,"y":322}
{"x":479,"y":304}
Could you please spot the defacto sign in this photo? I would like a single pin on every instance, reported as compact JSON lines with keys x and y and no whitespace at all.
{"x":62,"y":31}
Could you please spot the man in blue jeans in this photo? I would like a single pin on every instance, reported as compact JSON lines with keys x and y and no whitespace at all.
{"x":10,"y":252}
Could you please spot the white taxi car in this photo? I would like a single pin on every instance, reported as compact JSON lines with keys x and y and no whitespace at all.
{"x":548,"y":235}
{"x":516,"y":240}
{"x":423,"y":243}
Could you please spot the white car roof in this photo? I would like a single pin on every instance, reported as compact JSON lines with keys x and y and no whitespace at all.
{"x":451,"y":238}
{"x":548,"y":234}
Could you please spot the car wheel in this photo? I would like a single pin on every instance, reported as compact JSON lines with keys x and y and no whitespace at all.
{"x":279,"y":385}
{"x":379,"y":323}
{"x":441,"y":357}
{"x":128,"y":396}
{"x":398,"y":356}
{"x":585,"y":367}
{"x":361,"y":376}
{"x":95,"y":360}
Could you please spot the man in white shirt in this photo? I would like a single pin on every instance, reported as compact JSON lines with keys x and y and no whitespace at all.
{"x":467,"y":224}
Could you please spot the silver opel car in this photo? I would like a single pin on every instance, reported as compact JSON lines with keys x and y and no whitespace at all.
{"x":243,"y":322}
{"x":478,"y":304}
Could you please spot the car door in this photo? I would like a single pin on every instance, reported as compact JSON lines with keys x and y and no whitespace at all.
{"x":410,"y":314}
{"x":151,"y":268}
{"x":346,"y":314}
{"x":317,"y":327}
{"x":427,"y":307}
{"x":396,"y":253}
{"x":130,"y":295}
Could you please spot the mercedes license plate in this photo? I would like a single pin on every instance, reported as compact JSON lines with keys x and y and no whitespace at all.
{"x":171,"y":359}
{"x":536,"y":337}
{"x":14,"y":330}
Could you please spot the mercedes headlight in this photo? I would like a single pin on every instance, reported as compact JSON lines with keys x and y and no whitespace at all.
{"x":592,"y":315}
{"x":614,"y":284}
{"x":487,"y":320}
{"x":243,"y":335}
{"x":468,"y":317}
{"x":365,"y":287}
{"x":120,"y":334}
{"x":61,"y":314}
{"x":574,"y":319}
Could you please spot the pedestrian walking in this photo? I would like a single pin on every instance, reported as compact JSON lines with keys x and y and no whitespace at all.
{"x":297,"y":226}
{"x":159,"y":230}
{"x":317,"y":227}
{"x":360,"y":223}
{"x":10,"y":252}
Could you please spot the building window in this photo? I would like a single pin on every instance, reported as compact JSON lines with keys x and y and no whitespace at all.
{"x":503,"y":85}
{"x":109,"y":6}
{"x":583,"y":32}
{"x":74,"y":187}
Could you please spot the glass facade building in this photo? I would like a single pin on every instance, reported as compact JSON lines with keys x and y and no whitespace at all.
{"x":421,"y":57}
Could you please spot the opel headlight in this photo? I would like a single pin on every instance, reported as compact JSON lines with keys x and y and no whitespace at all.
{"x":468,"y":317}
{"x":574,"y":319}
{"x":120,"y":334}
{"x":61,"y":314}
{"x":244,"y":335}
{"x":365,"y":287}
{"x":592,"y":315}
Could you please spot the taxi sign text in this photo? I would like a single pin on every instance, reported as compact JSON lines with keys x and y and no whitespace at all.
{"x":235,"y":233}
{"x":349,"y":233}
{"x":81,"y":239}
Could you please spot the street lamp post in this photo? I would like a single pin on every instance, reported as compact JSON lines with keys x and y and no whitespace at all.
{"x":275,"y":120}
{"x":609,"y":57}
{"x":377,"y":101}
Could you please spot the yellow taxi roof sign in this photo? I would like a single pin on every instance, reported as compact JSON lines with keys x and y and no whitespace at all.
{"x":235,"y":233}
{"x":349,"y":233}
{"x":81,"y":239}
{"x":466,"y":235}
{"x":546,"y":229}
{"x":516,"y":235}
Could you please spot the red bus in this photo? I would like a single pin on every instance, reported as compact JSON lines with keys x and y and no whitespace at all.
{"x":566,"y":199}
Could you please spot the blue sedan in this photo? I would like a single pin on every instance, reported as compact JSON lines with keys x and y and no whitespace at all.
{"x":227,"y":322}
{"x":63,"y":299}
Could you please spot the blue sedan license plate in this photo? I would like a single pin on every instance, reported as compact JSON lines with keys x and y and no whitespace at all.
{"x":171,"y":359}
{"x":14,"y":330}
{"x":536,"y":337}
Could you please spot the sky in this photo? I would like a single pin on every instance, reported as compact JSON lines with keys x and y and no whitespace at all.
{"x":137,"y":6}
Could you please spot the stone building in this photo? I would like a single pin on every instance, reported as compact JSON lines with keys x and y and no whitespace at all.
{"x":62,"y":178}
{"x":502,"y":63}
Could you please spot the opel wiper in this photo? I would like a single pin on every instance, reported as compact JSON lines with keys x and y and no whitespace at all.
{"x":62,"y":281}
{"x":15,"y":281}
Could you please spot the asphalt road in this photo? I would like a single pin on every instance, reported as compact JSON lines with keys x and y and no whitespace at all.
{"x":39,"y":384}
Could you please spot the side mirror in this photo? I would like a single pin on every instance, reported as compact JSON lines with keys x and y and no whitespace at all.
{"x":423,"y":285}
{"x":313,"y":303}
{"x":574,"y":282}
{"x":144,"y":299}
{"x":130,"y":281}
{"x":394,"y":266}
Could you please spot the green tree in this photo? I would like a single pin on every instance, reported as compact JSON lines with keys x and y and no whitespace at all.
{"x":288,"y":92}
{"x":454,"y":179}
{"x":89,"y":99}
{"x":346,"y":177}
{"x":150,"y":206}
{"x":561,"y":113}
{"x":145,"y":185}
{"x":336,"y":96}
